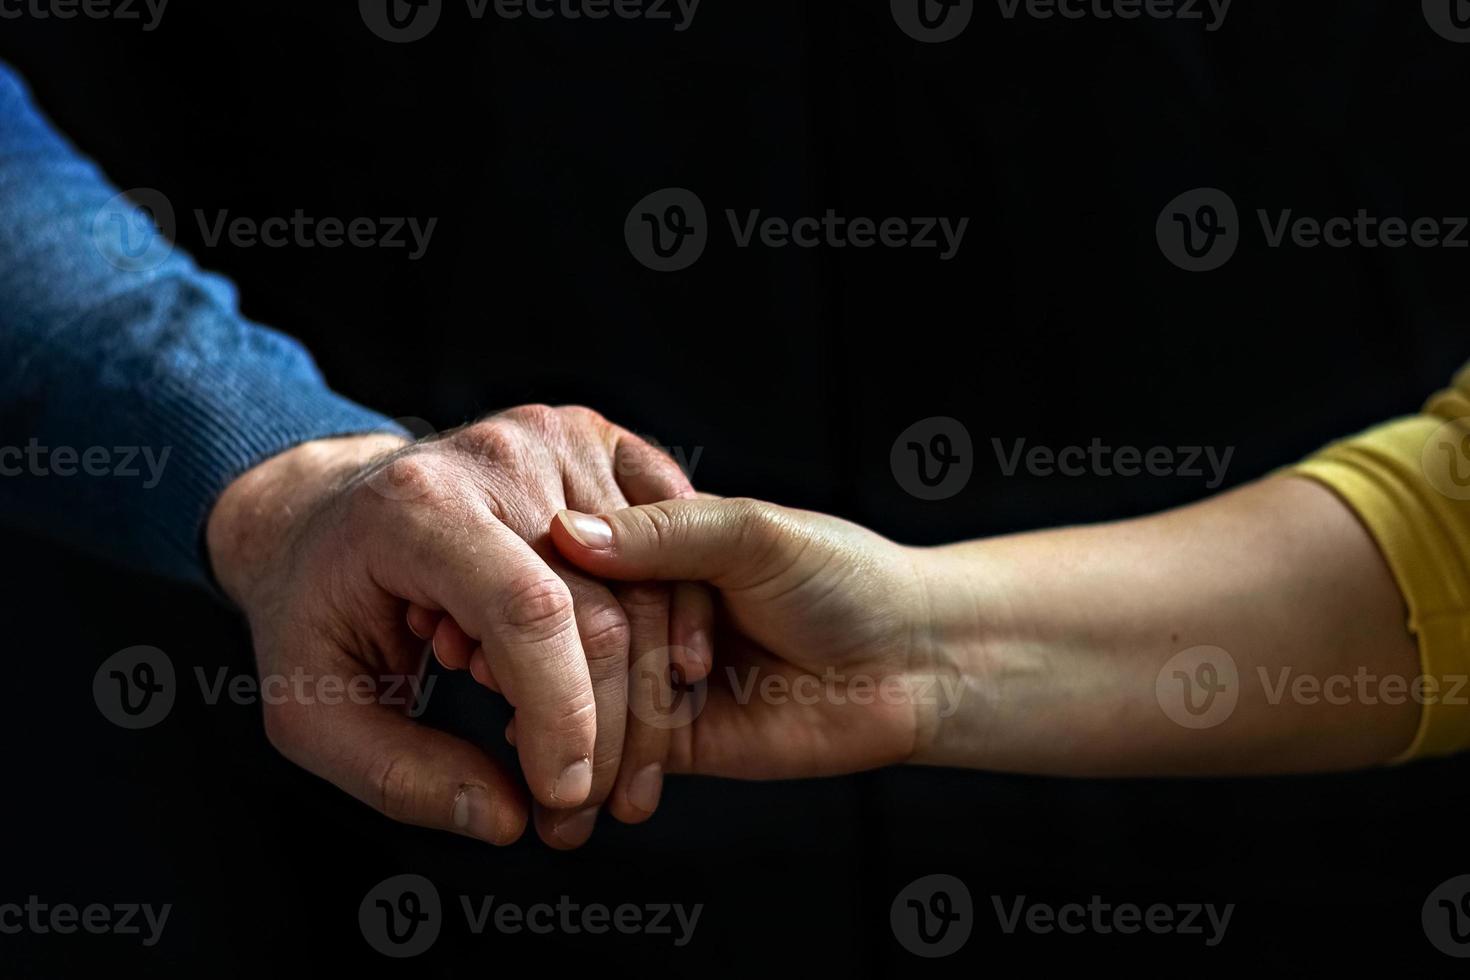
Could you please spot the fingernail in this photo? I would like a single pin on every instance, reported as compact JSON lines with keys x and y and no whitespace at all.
{"x":473,"y":814}
{"x":435,"y":647}
{"x":645,"y":787}
{"x":480,"y":670}
{"x":590,"y":532}
{"x":574,"y":783}
{"x":576,"y":828}
{"x":702,"y":648}
{"x":414,"y":630}
{"x":510,"y":732}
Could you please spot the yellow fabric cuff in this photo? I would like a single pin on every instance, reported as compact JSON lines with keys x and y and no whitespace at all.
{"x":1409,"y":483}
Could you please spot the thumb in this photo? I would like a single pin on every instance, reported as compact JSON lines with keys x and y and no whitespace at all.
{"x":409,"y":772}
{"x":724,"y":542}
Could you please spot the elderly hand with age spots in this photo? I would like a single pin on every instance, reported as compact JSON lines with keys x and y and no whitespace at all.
{"x":341,"y":550}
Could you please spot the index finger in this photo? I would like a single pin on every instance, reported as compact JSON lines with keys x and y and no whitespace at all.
{"x":505,"y":597}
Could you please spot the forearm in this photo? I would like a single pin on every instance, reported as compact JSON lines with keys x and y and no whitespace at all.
{"x":129,"y":374}
{"x":1061,"y":639}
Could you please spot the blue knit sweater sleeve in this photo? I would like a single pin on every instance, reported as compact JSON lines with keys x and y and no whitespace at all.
{"x":132,"y":391}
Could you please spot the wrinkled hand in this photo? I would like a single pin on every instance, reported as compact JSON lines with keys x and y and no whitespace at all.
{"x":828,"y":664}
{"x":333,"y":548}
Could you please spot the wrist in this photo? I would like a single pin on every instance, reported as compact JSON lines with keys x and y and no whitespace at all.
{"x":965,"y":614}
{"x":253,"y":519}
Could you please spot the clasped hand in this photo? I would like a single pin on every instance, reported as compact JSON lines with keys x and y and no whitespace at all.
{"x":569,"y":566}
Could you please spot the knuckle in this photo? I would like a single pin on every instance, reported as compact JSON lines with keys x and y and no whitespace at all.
{"x":575,"y":714}
{"x":758,"y":521}
{"x":490,"y":439}
{"x":749,"y":509}
{"x":538,"y":417}
{"x":582,"y":414}
{"x":538,"y":604}
{"x":607,"y":637}
{"x":393,"y":785}
{"x":638,"y":457}
{"x":414,"y":476}
{"x":605,"y":767}
{"x":659,"y":525}
{"x":644,"y":600}
{"x":764,"y":532}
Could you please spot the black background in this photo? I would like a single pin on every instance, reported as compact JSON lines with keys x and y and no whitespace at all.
{"x":791,"y":372}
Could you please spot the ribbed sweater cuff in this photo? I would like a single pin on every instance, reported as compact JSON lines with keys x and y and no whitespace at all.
{"x":215,"y":428}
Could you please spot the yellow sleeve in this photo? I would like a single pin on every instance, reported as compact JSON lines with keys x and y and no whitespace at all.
{"x":1409,"y":483}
